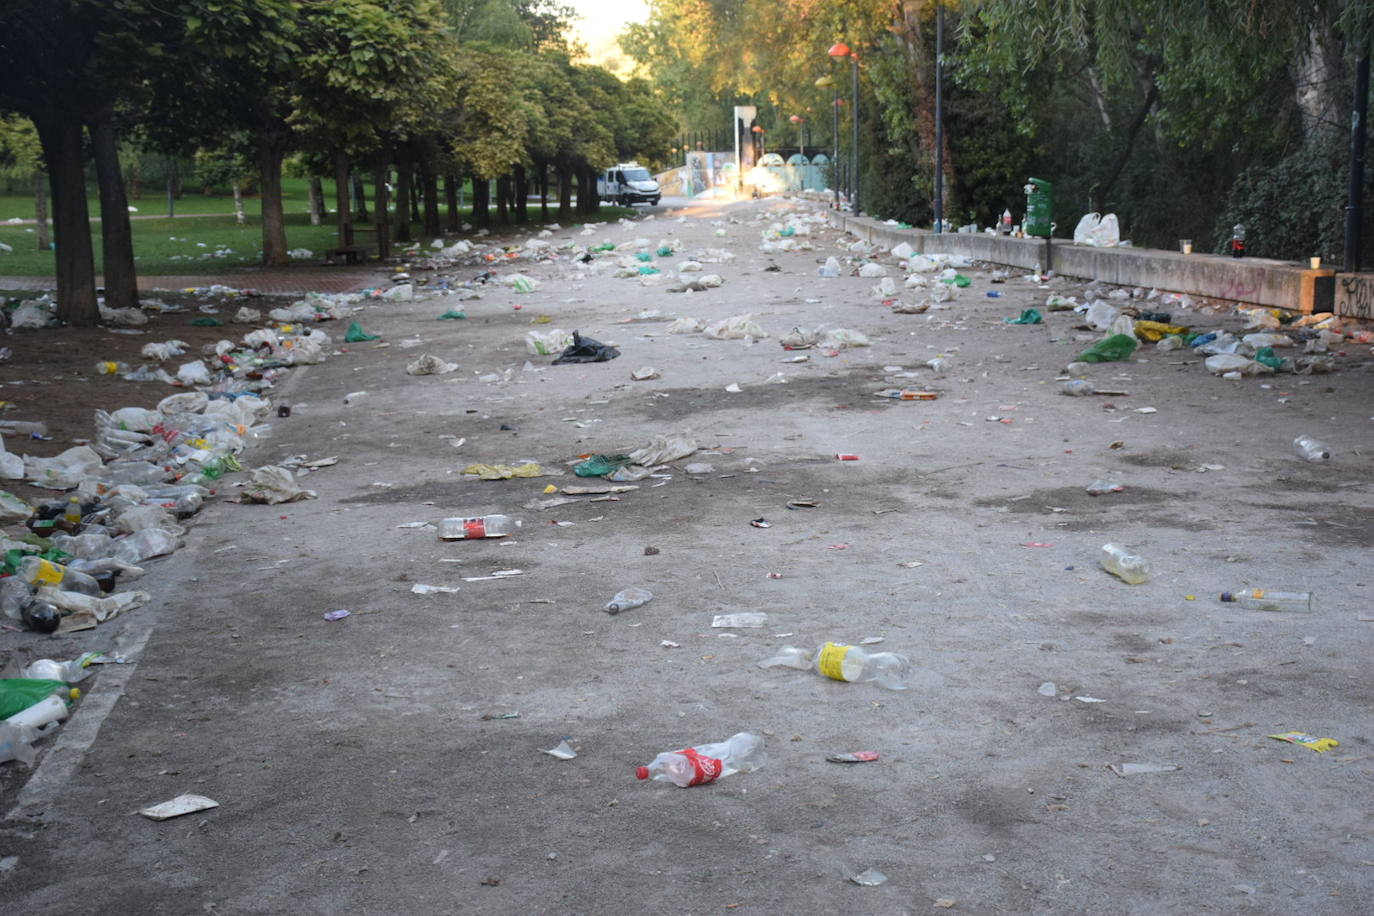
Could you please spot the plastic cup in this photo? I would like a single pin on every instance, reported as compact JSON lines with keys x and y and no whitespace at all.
{"x":1185,"y":246}
{"x":1316,"y":263}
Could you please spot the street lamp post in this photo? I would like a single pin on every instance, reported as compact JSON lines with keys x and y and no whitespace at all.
{"x":939,"y":202}
{"x":839,"y":50}
{"x":822,"y":83}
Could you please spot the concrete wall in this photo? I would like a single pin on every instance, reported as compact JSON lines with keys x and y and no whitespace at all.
{"x":1258,"y":281}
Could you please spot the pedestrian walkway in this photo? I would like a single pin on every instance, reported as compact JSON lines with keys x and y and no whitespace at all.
{"x":279,"y":281}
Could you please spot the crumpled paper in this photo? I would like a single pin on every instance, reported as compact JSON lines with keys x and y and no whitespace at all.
{"x":504,"y":471}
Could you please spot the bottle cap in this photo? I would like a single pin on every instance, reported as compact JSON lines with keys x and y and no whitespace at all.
{"x":641,"y":772}
{"x":1227,"y":596}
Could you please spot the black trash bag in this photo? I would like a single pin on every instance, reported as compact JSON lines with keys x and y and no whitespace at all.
{"x":586,"y":350}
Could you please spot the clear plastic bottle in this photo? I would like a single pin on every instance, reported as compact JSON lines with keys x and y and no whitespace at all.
{"x":110,"y":367}
{"x":85,"y":546}
{"x":628,"y":598}
{"x":38,"y":571}
{"x":696,"y":766}
{"x":1311,"y":449}
{"x":487,"y":526}
{"x":72,"y":514}
{"x":1123,"y":564}
{"x":145,"y":544}
{"x":843,"y":662}
{"x":1078,"y":388}
{"x":1263,"y":599}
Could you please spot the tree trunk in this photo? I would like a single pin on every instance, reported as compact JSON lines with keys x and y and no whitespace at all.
{"x":359,"y":199}
{"x":921,"y":66}
{"x":522,"y":195}
{"x":40,"y":210}
{"x":455,"y":219}
{"x":271,"y":147}
{"x":61,"y":140}
{"x":342,"y":210}
{"x":1123,"y":156}
{"x":117,"y":239}
{"x":503,"y":201}
{"x":587,"y":202}
{"x":429,"y":192}
{"x":133,"y":181}
{"x":543,"y":192}
{"x":405,"y":204}
{"x":481,"y":203}
{"x":240,"y":216}
{"x":317,"y":208}
{"x":564,"y":193}
{"x":380,"y":202}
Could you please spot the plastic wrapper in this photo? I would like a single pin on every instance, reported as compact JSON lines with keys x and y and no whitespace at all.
{"x":586,"y":350}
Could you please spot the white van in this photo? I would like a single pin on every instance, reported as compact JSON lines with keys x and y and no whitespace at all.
{"x":626,"y":184}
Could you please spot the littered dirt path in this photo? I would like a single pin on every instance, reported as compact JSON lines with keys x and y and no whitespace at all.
{"x":356,"y":774}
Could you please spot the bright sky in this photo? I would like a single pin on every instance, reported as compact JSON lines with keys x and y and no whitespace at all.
{"x":602,"y":20}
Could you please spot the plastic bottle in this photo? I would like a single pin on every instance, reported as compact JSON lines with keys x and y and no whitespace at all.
{"x":1006,"y":222}
{"x":38,"y":571}
{"x":628,"y":598}
{"x":69,"y":672}
{"x":50,"y":709}
{"x":144,"y":544}
{"x":110,"y":367}
{"x":843,"y":662}
{"x":488,"y":526}
{"x":1078,"y":388}
{"x":1311,"y":449}
{"x":696,"y":766}
{"x":72,"y":515}
{"x":85,"y":546}
{"x":1123,"y":564}
{"x":19,"y":693}
{"x":40,"y":616}
{"x":1261,"y":599}
{"x":1238,"y":241}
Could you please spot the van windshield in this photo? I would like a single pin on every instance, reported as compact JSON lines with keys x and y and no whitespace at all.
{"x":637,"y":175}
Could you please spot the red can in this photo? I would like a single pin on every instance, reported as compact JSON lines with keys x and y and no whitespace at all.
{"x":844,"y":457}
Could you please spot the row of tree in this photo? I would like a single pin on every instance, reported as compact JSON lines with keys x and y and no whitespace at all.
{"x":1183,"y":117}
{"x":428,"y":89}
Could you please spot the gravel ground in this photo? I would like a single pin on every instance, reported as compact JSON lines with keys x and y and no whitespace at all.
{"x":357,"y":771}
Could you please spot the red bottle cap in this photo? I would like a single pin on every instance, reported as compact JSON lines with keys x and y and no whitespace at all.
{"x":641,"y":772}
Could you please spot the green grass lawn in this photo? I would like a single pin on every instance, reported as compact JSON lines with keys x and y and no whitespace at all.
{"x":295,"y":197}
{"x":204,"y":238}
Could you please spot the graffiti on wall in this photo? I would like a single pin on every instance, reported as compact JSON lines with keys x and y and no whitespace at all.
{"x":1355,"y":295}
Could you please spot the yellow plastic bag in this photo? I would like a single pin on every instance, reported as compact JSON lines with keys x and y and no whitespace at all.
{"x":1156,"y":330}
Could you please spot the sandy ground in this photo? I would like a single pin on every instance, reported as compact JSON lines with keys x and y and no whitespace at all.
{"x":356,"y":772}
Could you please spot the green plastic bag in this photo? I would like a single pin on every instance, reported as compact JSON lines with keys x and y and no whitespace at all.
{"x":356,"y":334}
{"x":665,"y":252}
{"x":644,"y":256}
{"x":1111,"y":349}
{"x":959,"y":280}
{"x":206,"y":322}
{"x":452,"y":313}
{"x":1266,"y":356}
{"x":600,"y":465}
{"x":787,"y":232}
{"x":19,"y":693}
{"x":1029,"y":316}
{"x":648,"y":271}
{"x":604,"y":246}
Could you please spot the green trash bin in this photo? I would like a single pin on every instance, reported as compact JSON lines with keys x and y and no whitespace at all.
{"x":1039,"y":208}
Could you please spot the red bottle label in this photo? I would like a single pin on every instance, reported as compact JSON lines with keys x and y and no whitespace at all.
{"x":704,"y":769}
{"x":475,"y":528}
